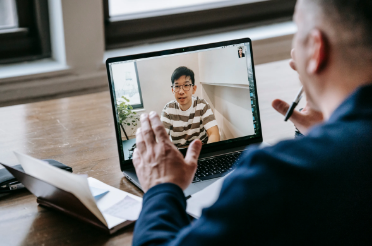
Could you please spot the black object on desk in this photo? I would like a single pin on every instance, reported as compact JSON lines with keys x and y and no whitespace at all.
{"x":8,"y":183}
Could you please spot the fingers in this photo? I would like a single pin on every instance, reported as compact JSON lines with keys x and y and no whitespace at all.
{"x":136,"y":158}
{"x":140,"y":143}
{"x":158,"y":127}
{"x":146,"y":130}
{"x":282,"y":107}
{"x":193,"y":152}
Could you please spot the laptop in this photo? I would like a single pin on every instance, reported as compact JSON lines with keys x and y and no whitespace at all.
{"x":224,"y":95}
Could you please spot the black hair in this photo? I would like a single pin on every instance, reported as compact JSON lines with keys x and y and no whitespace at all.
{"x":180,"y":71}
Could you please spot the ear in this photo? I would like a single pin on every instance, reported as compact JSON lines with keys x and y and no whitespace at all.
{"x":318,"y":51}
{"x":194,"y":89}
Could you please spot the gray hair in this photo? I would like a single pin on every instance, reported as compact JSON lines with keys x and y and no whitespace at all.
{"x":351,"y":18}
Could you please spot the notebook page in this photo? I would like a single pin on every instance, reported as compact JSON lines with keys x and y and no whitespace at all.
{"x":75,"y":184}
{"x":116,"y":206}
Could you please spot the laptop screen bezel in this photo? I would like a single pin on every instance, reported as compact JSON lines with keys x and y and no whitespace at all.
{"x":213,"y":147}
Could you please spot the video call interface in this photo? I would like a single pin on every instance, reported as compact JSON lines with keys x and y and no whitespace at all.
{"x":207,"y":95}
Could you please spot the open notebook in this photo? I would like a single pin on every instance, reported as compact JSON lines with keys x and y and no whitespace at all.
{"x":85,"y":198}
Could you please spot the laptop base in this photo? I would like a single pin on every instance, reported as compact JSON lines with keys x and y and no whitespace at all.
{"x":131,"y":175}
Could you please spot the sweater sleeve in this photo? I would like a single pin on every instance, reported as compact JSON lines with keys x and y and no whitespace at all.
{"x":268,"y":190}
{"x":208,"y":118}
{"x":165,"y":119}
{"x":162,"y":217}
{"x":249,"y":198}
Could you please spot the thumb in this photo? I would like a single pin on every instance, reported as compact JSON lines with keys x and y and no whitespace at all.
{"x":193,"y":152}
{"x":282,"y":107}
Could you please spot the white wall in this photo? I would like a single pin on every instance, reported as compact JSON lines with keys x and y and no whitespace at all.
{"x":232,"y":108}
{"x":220,"y":71}
{"x":223,"y":66}
{"x":155,"y":79}
{"x":84,"y":30}
{"x":77,"y":38}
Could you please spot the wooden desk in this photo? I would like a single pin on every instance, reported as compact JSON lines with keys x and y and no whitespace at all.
{"x":79,"y":132}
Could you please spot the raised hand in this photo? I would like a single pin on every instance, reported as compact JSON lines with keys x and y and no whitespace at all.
{"x":157,"y":160}
{"x":303,"y":120}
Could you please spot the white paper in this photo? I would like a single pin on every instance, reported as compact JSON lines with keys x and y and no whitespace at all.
{"x":127,"y":209}
{"x":113,"y":197}
{"x":204,"y":198}
{"x":97,"y":192}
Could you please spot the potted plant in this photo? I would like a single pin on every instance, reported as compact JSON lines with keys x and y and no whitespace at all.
{"x":126,"y":116}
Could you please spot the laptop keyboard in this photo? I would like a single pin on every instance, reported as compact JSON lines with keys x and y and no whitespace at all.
{"x":215,"y":167}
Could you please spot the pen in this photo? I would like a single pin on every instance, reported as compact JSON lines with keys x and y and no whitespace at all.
{"x":294,"y":104}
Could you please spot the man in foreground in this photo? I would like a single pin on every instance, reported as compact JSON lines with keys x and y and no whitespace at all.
{"x":314,"y":190}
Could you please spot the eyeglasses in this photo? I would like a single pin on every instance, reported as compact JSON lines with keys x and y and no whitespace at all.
{"x":177,"y":88}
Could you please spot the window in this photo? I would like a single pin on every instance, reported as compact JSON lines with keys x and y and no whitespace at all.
{"x":129,"y":22}
{"x":125,"y":77}
{"x":24,"y":30}
{"x":128,"y":9}
{"x":8,"y":15}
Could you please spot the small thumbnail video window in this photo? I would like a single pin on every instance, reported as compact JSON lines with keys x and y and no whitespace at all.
{"x":242,"y":51}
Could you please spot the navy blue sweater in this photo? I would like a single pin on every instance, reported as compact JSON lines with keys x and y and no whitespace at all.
{"x":314,"y":190}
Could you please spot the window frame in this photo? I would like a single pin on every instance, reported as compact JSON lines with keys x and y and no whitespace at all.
{"x":138,"y":106}
{"x":134,"y":106}
{"x":124,"y":33}
{"x":31,"y":39}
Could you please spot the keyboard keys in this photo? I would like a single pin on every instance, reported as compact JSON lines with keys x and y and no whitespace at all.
{"x":215,"y":167}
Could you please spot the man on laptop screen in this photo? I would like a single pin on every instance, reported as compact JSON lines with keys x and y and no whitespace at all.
{"x":187,"y":117}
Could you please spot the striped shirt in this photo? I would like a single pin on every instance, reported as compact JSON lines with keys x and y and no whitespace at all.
{"x":185,"y":126}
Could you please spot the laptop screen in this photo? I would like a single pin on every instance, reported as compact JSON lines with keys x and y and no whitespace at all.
{"x":203,"y":92}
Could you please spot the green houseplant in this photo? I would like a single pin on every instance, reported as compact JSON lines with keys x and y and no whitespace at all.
{"x":126,"y":115}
